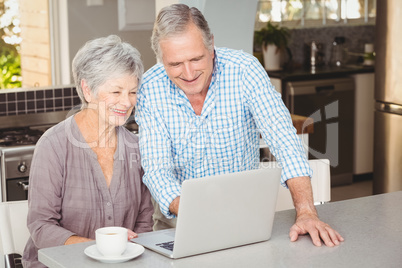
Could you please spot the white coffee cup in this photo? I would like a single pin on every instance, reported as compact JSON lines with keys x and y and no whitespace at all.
{"x":111,"y":241}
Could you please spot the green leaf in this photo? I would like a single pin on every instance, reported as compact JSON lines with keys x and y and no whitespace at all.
{"x":272,"y":34}
{"x":10,"y":63}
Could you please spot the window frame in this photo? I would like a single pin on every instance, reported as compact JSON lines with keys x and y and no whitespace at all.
{"x":322,"y":22}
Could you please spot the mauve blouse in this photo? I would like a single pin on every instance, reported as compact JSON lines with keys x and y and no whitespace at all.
{"x":68,"y":194}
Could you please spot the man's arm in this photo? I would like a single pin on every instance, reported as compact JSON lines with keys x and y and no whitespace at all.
{"x":156,"y":150}
{"x":307,"y":220}
{"x":275,"y":124}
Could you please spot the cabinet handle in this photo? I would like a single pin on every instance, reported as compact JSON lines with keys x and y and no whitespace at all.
{"x":24,"y":185}
{"x":324,"y":88}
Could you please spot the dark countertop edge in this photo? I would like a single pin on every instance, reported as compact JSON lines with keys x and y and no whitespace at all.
{"x":300,"y":75}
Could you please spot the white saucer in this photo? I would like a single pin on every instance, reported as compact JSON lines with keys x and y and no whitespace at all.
{"x":132,"y":251}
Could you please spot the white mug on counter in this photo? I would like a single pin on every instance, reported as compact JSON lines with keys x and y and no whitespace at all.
{"x":111,"y":241}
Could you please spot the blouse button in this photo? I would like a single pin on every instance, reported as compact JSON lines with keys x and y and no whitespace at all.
{"x":109,"y":218}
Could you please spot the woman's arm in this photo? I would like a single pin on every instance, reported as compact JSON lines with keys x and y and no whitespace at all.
{"x":46,"y":195}
{"x":74,"y":239}
{"x":144,"y":220}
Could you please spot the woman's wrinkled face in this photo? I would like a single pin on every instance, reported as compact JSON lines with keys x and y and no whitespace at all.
{"x":115,"y":100}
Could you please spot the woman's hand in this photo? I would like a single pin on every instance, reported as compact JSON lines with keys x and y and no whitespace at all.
{"x":74,"y":239}
{"x":131,"y":234}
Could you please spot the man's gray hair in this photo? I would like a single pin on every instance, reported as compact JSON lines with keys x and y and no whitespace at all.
{"x":173,"y":20}
{"x":102,"y":59}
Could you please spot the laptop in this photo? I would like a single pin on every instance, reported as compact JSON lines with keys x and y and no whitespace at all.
{"x":219,"y":212}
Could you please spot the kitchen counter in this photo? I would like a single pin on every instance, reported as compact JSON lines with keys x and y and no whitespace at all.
{"x":370,"y":225}
{"x":324,"y":72}
{"x":319,"y":73}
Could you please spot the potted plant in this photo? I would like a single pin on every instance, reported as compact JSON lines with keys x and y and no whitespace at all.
{"x":273,"y":39}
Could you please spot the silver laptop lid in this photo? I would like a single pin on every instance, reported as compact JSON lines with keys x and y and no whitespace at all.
{"x":225,"y":211}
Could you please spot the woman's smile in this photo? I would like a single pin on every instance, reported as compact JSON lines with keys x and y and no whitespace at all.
{"x":119,"y":112}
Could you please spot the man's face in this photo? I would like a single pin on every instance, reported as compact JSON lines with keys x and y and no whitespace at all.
{"x":188,"y":63}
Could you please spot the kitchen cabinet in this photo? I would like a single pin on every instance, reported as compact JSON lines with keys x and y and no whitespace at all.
{"x":136,"y":15}
{"x":330,"y":102}
{"x":277,"y":84}
{"x":356,"y":110}
{"x":325,"y":72}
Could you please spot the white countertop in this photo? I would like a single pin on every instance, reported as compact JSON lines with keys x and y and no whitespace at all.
{"x":371,"y":227}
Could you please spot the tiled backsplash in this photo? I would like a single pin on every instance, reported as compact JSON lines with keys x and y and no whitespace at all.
{"x":41,"y":100}
{"x":300,"y":41}
{"x":355,"y":36}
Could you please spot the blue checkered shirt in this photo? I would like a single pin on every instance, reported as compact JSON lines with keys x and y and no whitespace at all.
{"x":176,"y":144}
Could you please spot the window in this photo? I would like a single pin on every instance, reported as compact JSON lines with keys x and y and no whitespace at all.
{"x":35,"y":32}
{"x":10,"y":75}
{"x":35,"y":43}
{"x":314,"y":13}
{"x":25,"y":27}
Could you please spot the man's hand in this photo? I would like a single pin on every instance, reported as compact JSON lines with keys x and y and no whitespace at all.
{"x":317,"y":229}
{"x":307,"y":220}
{"x":174,"y":206}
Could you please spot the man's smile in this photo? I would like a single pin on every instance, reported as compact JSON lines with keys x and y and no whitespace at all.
{"x":190,"y":81}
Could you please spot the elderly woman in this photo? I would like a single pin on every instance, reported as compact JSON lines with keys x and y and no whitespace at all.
{"x":86,"y":171}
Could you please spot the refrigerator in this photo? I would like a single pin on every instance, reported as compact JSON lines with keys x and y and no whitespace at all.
{"x":387,"y":175}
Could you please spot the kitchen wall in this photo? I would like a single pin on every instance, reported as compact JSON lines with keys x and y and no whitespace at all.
{"x":89,"y":22}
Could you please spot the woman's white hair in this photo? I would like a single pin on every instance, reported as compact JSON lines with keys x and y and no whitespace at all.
{"x":174,"y":20}
{"x":102,"y":59}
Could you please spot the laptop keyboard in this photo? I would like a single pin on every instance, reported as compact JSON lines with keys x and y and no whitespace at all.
{"x":167,"y":245}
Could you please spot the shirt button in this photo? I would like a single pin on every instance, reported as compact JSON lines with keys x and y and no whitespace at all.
{"x":109,"y":218}
{"x":108,"y":204}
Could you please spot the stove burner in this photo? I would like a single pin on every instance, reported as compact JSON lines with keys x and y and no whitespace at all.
{"x":20,"y":136}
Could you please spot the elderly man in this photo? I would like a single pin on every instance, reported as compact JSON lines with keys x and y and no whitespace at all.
{"x":201,"y":111}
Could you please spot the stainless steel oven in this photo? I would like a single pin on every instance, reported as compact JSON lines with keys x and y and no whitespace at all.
{"x":18,"y":136}
{"x":15,"y":166}
{"x":330,"y":102}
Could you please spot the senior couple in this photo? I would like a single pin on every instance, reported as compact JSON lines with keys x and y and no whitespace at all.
{"x":198,"y":111}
